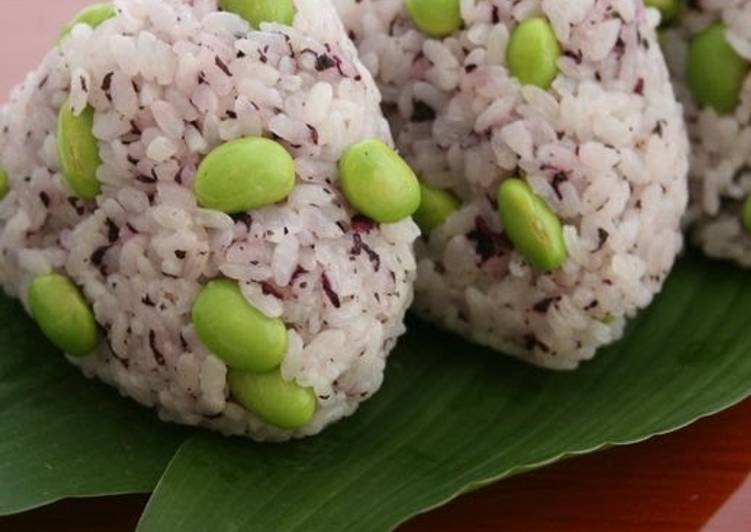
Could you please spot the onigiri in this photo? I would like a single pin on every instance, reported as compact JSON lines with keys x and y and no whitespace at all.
{"x":709,"y":50}
{"x":173,"y":214}
{"x":553,"y":159}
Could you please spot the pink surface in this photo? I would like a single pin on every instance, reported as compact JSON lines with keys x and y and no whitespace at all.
{"x":28,"y":28}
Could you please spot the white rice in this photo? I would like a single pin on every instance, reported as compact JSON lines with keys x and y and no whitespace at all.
{"x":605,"y":147}
{"x":720,"y":175}
{"x":169,"y":80}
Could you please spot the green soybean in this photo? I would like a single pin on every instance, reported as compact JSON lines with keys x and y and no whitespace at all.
{"x":278,"y":402}
{"x":437,"y":18}
{"x":533,"y":52}
{"x":257,"y":11}
{"x":715,"y":71}
{"x":78,"y":151}
{"x":436,"y":205}
{"x":746,"y":214}
{"x":4,"y":186}
{"x":669,"y":9}
{"x":93,"y":15}
{"x":236,"y":331}
{"x":531,"y":226}
{"x":63,"y":314}
{"x":378,"y":182}
{"x":244,"y":174}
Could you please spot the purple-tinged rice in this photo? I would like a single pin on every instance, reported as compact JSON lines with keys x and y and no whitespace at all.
{"x":605,"y":147}
{"x":169,"y":80}
{"x":720,"y":163}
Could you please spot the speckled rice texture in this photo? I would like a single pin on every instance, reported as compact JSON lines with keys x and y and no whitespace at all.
{"x":170,"y":80}
{"x":720,"y":174}
{"x":605,"y":147}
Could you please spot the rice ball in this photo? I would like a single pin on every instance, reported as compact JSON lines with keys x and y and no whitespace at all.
{"x":174,"y":217}
{"x":553,"y":160}
{"x":709,"y":51}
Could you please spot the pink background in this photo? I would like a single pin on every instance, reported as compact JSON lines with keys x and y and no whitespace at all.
{"x":28,"y":29}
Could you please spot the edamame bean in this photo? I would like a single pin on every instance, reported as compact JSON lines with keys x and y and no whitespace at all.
{"x":63,"y":314}
{"x":435,"y":206}
{"x":533,"y":52}
{"x":437,"y":18}
{"x":4,"y":186}
{"x":278,"y":402}
{"x":668,"y":9}
{"x":715,"y":71}
{"x":532,"y":227}
{"x":257,"y":11}
{"x":78,"y":151}
{"x":379,"y":183}
{"x":244,"y":174}
{"x":746,"y":214}
{"x":93,"y":15}
{"x":236,"y":331}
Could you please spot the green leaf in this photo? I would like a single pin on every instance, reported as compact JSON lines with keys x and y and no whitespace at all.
{"x":62,"y":435}
{"x":452,"y":417}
